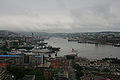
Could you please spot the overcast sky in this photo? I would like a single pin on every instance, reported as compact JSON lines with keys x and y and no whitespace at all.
{"x":60,"y":15}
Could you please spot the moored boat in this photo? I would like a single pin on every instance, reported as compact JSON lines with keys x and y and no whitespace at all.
{"x":53,"y":48}
{"x":117,"y":45}
{"x":41,"y":50}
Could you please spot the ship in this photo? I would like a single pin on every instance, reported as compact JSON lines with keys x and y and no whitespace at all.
{"x":53,"y":48}
{"x":117,"y":45}
{"x":72,"y":55}
{"x":43,"y":48}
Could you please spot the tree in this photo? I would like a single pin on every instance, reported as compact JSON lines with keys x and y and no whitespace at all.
{"x":19,"y":72}
{"x":105,"y":70}
{"x":79,"y":73}
{"x":77,"y":67}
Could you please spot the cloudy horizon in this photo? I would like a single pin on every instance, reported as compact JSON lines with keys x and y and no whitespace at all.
{"x":60,"y":15}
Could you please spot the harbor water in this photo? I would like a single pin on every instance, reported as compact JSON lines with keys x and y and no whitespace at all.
{"x":90,"y":51}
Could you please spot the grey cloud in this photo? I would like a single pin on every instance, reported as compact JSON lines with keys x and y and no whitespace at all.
{"x":60,"y":15}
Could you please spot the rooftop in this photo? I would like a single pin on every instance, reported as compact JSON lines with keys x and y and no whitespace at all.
{"x":10,"y":56}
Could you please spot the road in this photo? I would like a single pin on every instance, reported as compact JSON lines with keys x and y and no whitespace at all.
{"x":71,"y":71}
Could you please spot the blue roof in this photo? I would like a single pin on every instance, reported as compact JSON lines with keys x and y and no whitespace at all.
{"x":9,"y":55}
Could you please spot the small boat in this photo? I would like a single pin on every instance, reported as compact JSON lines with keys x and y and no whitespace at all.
{"x":53,"y":48}
{"x":55,"y":54}
{"x":117,"y":45}
{"x":49,"y":55}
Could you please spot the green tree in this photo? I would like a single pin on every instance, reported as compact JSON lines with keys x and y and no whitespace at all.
{"x":16,"y":71}
{"x":105,"y":70}
{"x":78,"y":69}
{"x":19,"y":72}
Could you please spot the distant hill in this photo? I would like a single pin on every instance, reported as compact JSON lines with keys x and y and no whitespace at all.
{"x":6,"y":33}
{"x":9,"y":33}
{"x":109,"y":32}
{"x":34,"y":33}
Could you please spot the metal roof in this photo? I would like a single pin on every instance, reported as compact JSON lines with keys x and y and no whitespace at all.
{"x":10,"y":56}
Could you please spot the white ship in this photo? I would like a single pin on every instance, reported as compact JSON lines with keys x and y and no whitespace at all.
{"x":41,"y":50}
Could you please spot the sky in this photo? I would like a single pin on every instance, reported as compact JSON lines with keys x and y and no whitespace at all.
{"x":60,"y":15}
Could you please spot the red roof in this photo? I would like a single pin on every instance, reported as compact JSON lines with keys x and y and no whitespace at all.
{"x":3,"y":64}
